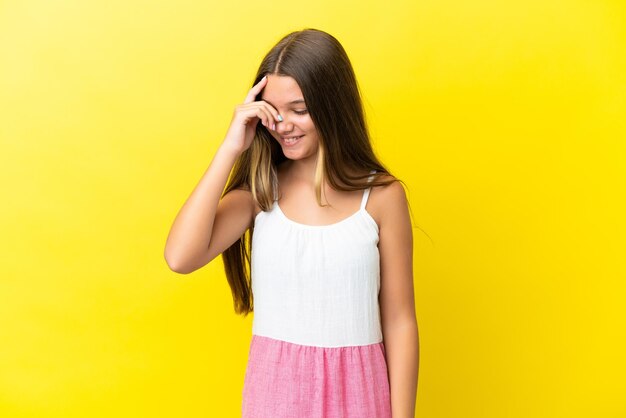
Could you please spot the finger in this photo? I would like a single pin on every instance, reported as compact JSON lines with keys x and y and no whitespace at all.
{"x":257,"y":111}
{"x":274,"y":113}
{"x":266,"y":116}
{"x":255,"y":90}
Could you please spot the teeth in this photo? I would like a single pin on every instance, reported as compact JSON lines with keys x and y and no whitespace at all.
{"x":292,"y":139}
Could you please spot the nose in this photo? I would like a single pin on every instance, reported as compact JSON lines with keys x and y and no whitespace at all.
{"x":284,"y":127}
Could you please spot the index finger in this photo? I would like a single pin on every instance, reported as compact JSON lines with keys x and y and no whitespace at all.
{"x":255,"y":90}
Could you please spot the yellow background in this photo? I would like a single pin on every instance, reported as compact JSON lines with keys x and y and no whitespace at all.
{"x":507,"y":120}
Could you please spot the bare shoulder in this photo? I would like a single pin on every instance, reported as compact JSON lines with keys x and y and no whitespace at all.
{"x":387,"y":201}
{"x":244,"y":195}
{"x":392,"y":189}
{"x":241,"y":192}
{"x":238,"y":199}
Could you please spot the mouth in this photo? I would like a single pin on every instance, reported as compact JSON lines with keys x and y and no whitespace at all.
{"x":290,"y":140}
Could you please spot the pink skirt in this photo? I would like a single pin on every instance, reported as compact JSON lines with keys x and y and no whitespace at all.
{"x":286,"y":380}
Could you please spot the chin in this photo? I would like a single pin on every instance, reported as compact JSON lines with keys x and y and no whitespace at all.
{"x":299,"y":155}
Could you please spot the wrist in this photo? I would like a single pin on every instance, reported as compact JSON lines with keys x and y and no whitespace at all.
{"x":229,"y":151}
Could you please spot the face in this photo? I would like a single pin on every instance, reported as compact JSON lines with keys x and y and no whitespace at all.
{"x":284,"y":94}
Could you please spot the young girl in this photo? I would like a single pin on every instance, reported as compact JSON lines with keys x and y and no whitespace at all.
{"x":324,"y":231}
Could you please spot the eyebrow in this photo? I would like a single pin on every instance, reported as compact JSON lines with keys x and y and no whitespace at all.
{"x":291,"y":102}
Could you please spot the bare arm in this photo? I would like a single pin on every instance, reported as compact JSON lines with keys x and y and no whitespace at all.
{"x":187,"y":245}
{"x":205,"y":226}
{"x":400,"y":334}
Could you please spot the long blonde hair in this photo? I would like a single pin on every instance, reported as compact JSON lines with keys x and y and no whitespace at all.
{"x":320,"y":66}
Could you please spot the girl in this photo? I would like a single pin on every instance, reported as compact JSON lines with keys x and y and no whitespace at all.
{"x":323,"y":229}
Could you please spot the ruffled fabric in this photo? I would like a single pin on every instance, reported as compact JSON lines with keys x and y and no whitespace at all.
{"x":287,"y":380}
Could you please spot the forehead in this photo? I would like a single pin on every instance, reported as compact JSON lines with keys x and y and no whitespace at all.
{"x":281,"y":90}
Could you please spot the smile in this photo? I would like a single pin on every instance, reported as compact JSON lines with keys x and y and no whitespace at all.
{"x":291,"y":140}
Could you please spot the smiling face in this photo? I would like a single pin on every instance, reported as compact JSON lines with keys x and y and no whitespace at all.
{"x":296,"y":134}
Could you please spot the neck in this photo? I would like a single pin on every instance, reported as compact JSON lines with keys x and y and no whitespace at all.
{"x":303,"y":169}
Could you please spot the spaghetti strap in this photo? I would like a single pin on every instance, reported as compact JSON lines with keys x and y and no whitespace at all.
{"x":366,"y":193}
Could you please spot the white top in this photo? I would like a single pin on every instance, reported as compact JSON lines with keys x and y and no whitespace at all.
{"x":316,"y":285}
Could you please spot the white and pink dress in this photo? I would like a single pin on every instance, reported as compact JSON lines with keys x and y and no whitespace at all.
{"x":316,"y":349}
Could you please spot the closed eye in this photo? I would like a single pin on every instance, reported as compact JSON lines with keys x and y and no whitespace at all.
{"x":300,"y":112}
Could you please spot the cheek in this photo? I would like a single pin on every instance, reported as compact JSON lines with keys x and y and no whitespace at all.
{"x":308,"y":124}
